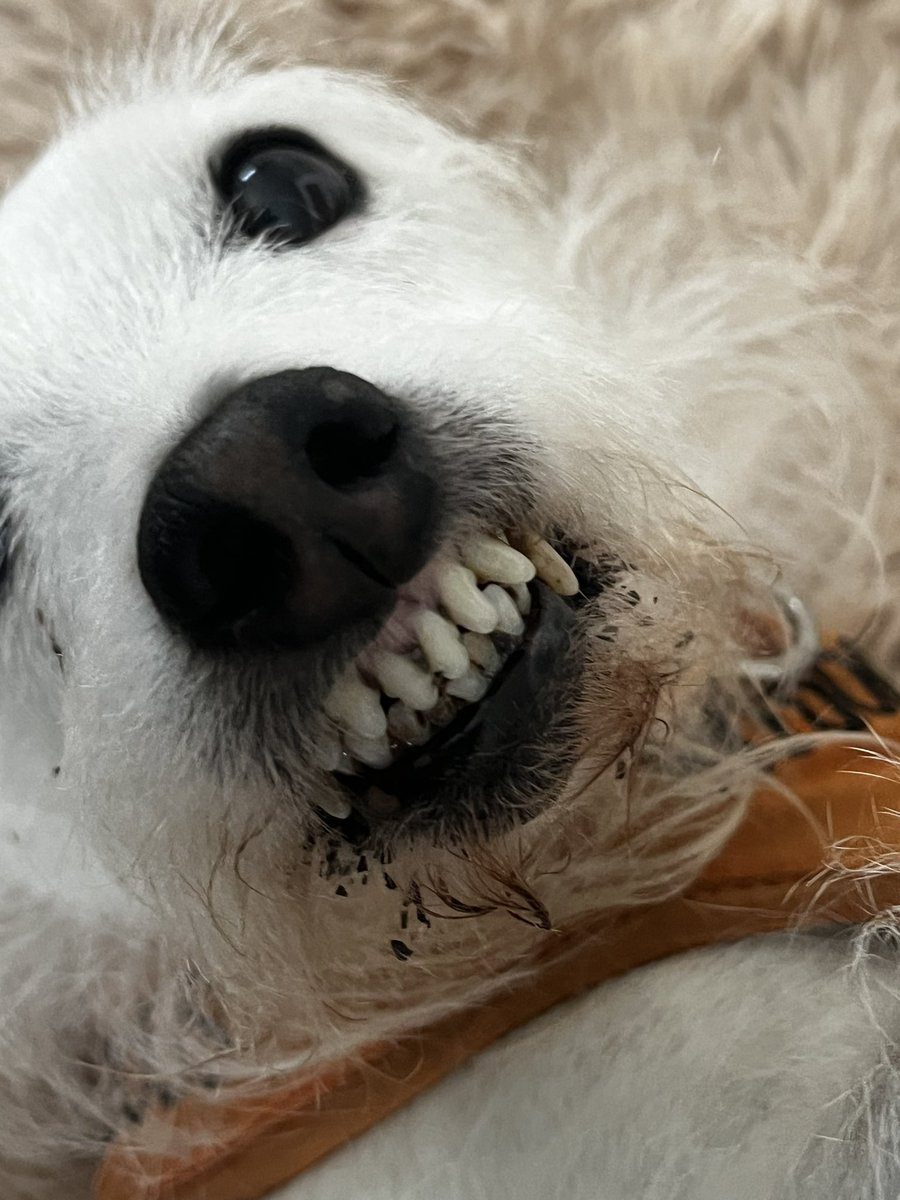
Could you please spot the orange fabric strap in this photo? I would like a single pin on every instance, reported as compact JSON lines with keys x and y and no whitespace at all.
{"x":770,"y":876}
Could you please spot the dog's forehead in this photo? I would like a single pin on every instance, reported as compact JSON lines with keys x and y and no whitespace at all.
{"x":123,"y":310}
{"x":357,"y":118}
{"x":151,"y":156}
{"x":114,"y":232}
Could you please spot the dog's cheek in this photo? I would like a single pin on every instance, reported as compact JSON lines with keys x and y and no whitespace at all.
{"x":31,"y":738}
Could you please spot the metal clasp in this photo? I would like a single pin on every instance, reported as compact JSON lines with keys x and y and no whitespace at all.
{"x":803,"y":645}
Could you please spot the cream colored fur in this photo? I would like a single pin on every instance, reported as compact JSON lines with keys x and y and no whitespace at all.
{"x":714,"y":192}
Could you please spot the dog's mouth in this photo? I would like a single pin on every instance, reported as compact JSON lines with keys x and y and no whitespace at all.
{"x":457,"y":700}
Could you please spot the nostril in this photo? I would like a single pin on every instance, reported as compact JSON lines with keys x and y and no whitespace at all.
{"x":341,"y":453}
{"x":215,"y":570}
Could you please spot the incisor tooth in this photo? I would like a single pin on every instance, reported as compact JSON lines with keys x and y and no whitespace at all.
{"x":334,"y":805}
{"x":464,"y":602}
{"x":356,"y":707}
{"x":509,"y":619}
{"x":372,"y":752}
{"x":470,"y":687}
{"x":482,"y":652}
{"x":522,"y":597}
{"x":327,"y":750}
{"x":406,"y":725}
{"x":496,"y":561}
{"x":552,"y":569}
{"x":441,"y":645}
{"x":403,"y":679}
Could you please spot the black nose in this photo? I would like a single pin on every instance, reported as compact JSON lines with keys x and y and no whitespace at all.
{"x":293,"y":511}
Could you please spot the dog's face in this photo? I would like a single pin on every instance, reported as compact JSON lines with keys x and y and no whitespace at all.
{"x":326,"y":506}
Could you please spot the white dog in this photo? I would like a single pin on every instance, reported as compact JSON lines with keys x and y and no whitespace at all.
{"x":383,"y":514}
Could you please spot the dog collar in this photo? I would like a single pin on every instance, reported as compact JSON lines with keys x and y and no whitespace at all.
{"x":799,"y":859}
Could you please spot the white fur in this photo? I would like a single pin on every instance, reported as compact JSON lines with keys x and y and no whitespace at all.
{"x":695,"y":1079}
{"x":706,"y":378}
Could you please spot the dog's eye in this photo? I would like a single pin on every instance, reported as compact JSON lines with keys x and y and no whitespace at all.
{"x":285,"y":186}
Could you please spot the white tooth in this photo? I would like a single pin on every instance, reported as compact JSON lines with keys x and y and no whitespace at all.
{"x":372,"y":752}
{"x":334,"y":805}
{"x":400,"y":677}
{"x":464,"y":602}
{"x":471,"y":686}
{"x":482,"y":652}
{"x":356,"y":707}
{"x":346,"y":766}
{"x":494,"y":560}
{"x":406,"y":725}
{"x":441,"y":645}
{"x":509,"y":620}
{"x":522,"y":597}
{"x":327,"y":750}
{"x":552,"y":569}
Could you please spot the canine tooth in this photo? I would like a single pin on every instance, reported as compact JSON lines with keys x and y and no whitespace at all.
{"x":470,"y":687}
{"x":334,"y":805}
{"x":403,"y":679}
{"x":509,"y":619}
{"x":496,"y":561}
{"x":482,"y":652}
{"x":441,"y":645}
{"x":346,"y":765}
{"x":464,"y":602}
{"x":356,"y":707}
{"x":372,"y":752}
{"x":406,"y":725}
{"x":522,"y":597}
{"x":553,"y":570}
{"x":327,"y":751}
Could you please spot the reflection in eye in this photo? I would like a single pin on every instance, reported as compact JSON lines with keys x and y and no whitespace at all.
{"x":285,"y":186}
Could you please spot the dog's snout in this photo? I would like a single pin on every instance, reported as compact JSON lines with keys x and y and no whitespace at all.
{"x":291,"y":513}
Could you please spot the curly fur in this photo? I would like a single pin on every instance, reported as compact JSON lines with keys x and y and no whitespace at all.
{"x":653,"y":247}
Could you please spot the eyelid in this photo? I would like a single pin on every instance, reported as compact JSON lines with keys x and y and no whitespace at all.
{"x":239,"y":145}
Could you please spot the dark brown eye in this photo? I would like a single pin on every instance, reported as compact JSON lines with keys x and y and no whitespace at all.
{"x":283,"y":185}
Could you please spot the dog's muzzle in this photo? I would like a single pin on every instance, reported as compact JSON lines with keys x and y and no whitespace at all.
{"x":292,"y":512}
{"x":308,"y":512}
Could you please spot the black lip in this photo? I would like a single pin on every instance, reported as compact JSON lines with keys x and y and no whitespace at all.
{"x":496,"y":746}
